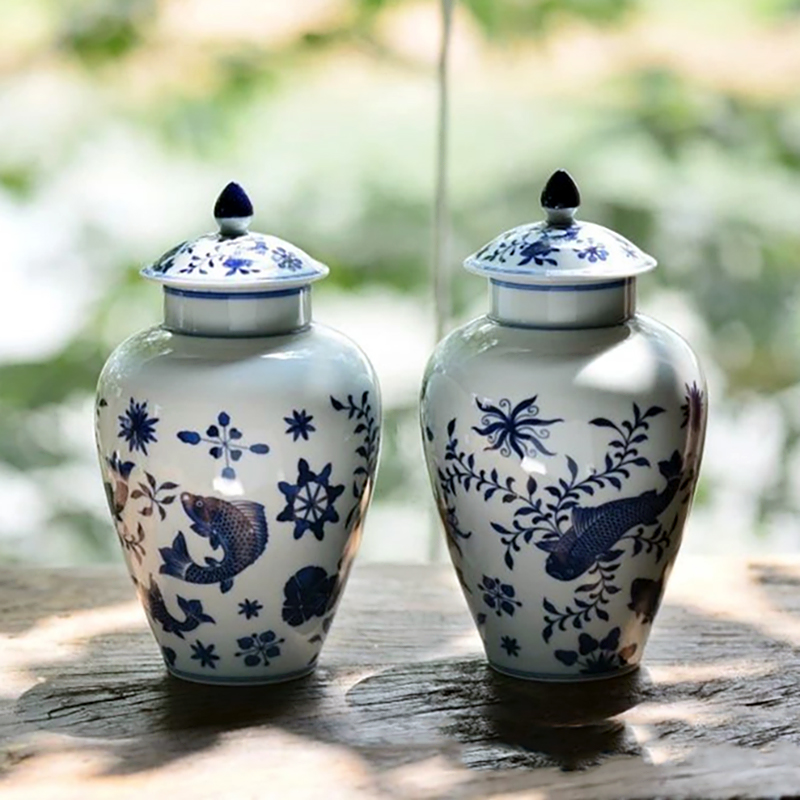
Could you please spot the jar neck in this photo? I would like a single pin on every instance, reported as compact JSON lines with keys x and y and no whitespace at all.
{"x":236,"y":314}
{"x":565,"y":306}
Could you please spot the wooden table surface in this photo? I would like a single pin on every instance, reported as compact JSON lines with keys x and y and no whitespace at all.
{"x":402,"y":704}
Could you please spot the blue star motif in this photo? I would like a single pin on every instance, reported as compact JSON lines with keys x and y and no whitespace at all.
{"x":509,"y":644}
{"x":250,"y":608}
{"x":310,"y":502}
{"x":299,"y":425}
{"x":137,"y":427}
{"x":205,"y":655}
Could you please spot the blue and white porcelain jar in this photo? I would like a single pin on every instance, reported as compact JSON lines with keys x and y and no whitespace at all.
{"x":238,"y":444}
{"x":563,"y":434}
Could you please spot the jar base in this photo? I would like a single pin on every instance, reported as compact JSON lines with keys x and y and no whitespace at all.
{"x":221,"y":680}
{"x":551,"y":678}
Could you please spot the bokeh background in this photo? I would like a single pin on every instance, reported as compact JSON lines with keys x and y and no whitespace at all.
{"x":120,"y":120}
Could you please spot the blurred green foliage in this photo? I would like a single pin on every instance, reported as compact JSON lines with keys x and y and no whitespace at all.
{"x":693,"y":154}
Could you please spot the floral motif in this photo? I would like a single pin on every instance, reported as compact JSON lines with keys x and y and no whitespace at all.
{"x":367,"y":427}
{"x":137,"y":427}
{"x":286,"y":260}
{"x":310,"y":503}
{"x":117,"y":494}
{"x":510,"y":645}
{"x":151,"y":491}
{"x":518,"y":429}
{"x":236,"y":265}
{"x":309,"y":593}
{"x":537,"y":251}
{"x":692,"y":408}
{"x":593,"y":252}
{"x":226,"y":443}
{"x":250,"y":608}
{"x":204,"y":654}
{"x":499,"y":596}
{"x":259,"y":648}
{"x":299,"y":425}
{"x":595,"y":656}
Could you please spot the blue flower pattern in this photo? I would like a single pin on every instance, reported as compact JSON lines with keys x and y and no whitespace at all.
{"x":286,"y":260}
{"x":137,"y":427}
{"x":499,"y":596}
{"x":226,"y":443}
{"x":259,"y":648}
{"x":309,"y":593}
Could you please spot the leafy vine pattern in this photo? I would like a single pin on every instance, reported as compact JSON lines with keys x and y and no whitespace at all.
{"x":363,"y":413}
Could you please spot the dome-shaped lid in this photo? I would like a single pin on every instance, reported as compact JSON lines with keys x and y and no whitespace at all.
{"x":559,"y":249}
{"x":233,"y":258}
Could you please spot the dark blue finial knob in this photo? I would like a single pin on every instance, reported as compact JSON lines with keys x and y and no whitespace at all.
{"x":560,"y":198}
{"x":233,"y":210}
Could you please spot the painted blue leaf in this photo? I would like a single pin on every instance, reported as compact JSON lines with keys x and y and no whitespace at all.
{"x":587,"y":644}
{"x":611,"y":642}
{"x":336,"y":404}
{"x":190,"y":437}
{"x":602,"y":614}
{"x":212,"y":431}
{"x":641,"y":462}
{"x":573,"y":467}
{"x":223,"y":419}
{"x":259,"y":448}
{"x":235,"y":433}
{"x":509,"y":559}
{"x":568,"y":657}
{"x":531,"y":486}
{"x":602,"y":422}
{"x":267,"y":636}
{"x":273,"y":652}
{"x":236,"y":454}
{"x":615,"y":482}
{"x":229,"y":473}
{"x":252,"y":660}
{"x":451,"y":427}
{"x":216,"y":452}
{"x":548,"y":606}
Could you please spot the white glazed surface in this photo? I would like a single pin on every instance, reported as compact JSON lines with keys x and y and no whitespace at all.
{"x":570,"y":378}
{"x":259,"y":383}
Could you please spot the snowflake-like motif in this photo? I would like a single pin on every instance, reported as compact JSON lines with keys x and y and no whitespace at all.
{"x":204,"y":654}
{"x":310,"y":502}
{"x":226,"y":443}
{"x":510,"y":645}
{"x":250,"y":608}
{"x":137,"y":427}
{"x":299,"y":425}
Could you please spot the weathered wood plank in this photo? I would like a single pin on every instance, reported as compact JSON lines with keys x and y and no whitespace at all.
{"x":403,"y":705}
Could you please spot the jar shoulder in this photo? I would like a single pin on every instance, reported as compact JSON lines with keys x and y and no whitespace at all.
{"x":642,"y":359}
{"x":317,"y":357}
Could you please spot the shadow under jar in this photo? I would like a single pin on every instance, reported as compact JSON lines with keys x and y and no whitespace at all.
{"x":563,"y":434}
{"x":238,"y":445}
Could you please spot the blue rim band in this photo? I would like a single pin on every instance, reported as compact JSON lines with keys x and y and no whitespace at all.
{"x":209,"y":295}
{"x":564,"y":287}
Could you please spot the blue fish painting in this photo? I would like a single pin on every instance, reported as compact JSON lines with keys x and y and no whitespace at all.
{"x":238,"y":528}
{"x":192,"y":609}
{"x":596,"y":530}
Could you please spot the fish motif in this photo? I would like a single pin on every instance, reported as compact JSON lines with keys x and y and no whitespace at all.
{"x":153,"y":601}
{"x":596,"y":530}
{"x":238,"y":528}
{"x":646,"y":597}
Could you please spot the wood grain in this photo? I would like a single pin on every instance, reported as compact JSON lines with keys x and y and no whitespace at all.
{"x":403,"y":705}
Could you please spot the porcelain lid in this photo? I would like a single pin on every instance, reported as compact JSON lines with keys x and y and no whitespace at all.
{"x":559,"y":249}
{"x":233,"y":258}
